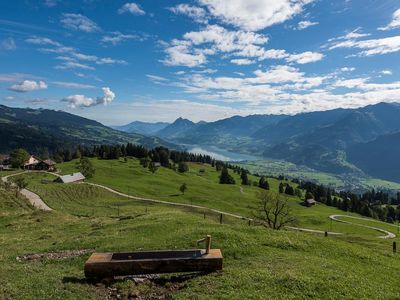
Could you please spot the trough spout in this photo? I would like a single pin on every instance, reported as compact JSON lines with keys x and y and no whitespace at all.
{"x":207,"y":239}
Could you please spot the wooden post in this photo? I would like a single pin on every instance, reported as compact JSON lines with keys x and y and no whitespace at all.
{"x":249,"y":222}
{"x":220,"y":219}
{"x":394,"y":247}
{"x":326,"y":233}
{"x":146,"y":209}
{"x":204,"y":215}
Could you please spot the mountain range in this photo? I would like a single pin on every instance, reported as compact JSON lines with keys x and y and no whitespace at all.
{"x":341,"y":141}
{"x":336,"y":141}
{"x":42,"y":130}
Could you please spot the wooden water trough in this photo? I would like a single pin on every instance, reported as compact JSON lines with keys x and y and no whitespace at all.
{"x":109,"y":265}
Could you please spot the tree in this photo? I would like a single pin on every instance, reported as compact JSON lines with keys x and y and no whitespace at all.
{"x":263,"y":183}
{"x":298,"y":193}
{"x":183,"y":188}
{"x":183,"y":167}
{"x":281,"y":188}
{"x":152,"y":167}
{"x":85,"y":166}
{"x":274,"y":211}
{"x":225,"y":178}
{"x":243,"y":176}
{"x":19,"y":157}
{"x":289,"y":190}
{"x":20,"y":183}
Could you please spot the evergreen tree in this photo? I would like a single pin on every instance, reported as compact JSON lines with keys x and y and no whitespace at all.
{"x":263,"y":183}
{"x":243,"y":176}
{"x":281,"y":188}
{"x":225,"y":178}
{"x":289,"y":190}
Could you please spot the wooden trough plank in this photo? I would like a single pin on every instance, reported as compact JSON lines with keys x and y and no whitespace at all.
{"x":102,"y":265}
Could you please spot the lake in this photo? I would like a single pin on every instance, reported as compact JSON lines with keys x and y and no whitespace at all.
{"x":219,"y":154}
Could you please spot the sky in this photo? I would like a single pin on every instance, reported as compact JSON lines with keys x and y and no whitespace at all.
{"x":157,"y":60}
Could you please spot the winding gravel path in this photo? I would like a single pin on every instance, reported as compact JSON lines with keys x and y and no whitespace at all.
{"x":33,"y":198}
{"x":388,"y":234}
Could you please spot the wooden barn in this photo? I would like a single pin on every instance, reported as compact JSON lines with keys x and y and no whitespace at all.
{"x":70,"y":178}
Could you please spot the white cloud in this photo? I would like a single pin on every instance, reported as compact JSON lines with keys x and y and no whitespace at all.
{"x":72,"y":85}
{"x":242,"y":47}
{"x":132,"y":8}
{"x":305,"y":57}
{"x":198,"y":14}
{"x":37,"y":40}
{"x":372,"y":46}
{"x":242,"y":61}
{"x":386,"y":72}
{"x":73,"y":65}
{"x":156,"y":78}
{"x":83,"y":101}
{"x":347,"y":69}
{"x":8,"y":44}
{"x":115,"y":38}
{"x":305,"y":24}
{"x":78,"y":22}
{"x":254,"y":15}
{"x":28,"y":86}
{"x":395,"y":23}
{"x":351,"y":35}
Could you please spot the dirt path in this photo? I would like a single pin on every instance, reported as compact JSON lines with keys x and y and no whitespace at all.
{"x":33,"y":198}
{"x":313,"y":230}
{"x":388,"y":234}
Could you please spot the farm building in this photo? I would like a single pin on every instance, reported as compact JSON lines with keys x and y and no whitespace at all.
{"x":310,"y":202}
{"x":47,"y":165}
{"x":32,"y":163}
{"x":35,"y":163}
{"x":75,"y":177}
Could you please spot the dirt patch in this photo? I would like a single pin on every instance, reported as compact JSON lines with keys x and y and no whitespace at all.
{"x":54,"y":255}
{"x":148,"y":286}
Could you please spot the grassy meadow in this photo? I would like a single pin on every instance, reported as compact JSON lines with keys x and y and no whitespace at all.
{"x":258,"y":263}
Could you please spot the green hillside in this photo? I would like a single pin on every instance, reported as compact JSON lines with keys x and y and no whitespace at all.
{"x":258,"y":263}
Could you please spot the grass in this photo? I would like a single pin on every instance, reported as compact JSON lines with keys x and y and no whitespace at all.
{"x":258,"y":263}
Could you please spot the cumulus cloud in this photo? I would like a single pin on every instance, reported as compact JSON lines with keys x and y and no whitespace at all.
{"x":395,"y":23}
{"x":254,"y":15}
{"x":305,"y":24}
{"x":132,"y":8}
{"x":242,"y":47}
{"x":242,"y":61}
{"x":28,"y":86}
{"x":305,"y":57}
{"x":8,"y":44}
{"x":196,"y":13}
{"x":78,"y":22}
{"x":84,"y":101}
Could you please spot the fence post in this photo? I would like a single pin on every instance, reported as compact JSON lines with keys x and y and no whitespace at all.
{"x":249,"y":222}
{"x":394,"y":247}
{"x":220,"y":219}
{"x":326,"y":233}
{"x":204,"y":215}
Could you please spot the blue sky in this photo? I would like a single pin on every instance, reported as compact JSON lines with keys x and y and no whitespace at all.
{"x":149,"y":60}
